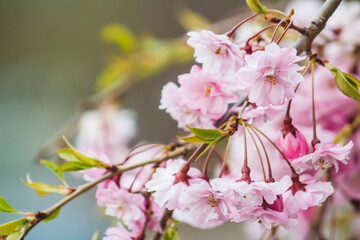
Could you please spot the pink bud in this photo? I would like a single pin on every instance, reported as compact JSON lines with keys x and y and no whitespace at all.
{"x":292,"y":143}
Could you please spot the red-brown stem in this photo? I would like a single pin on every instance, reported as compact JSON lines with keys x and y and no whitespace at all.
{"x":245,"y":169}
{"x":284,"y":32}
{"x":206,"y":163}
{"x":276,"y":29}
{"x":258,"y":151}
{"x":136,"y":176}
{"x":232,"y":31}
{"x":148,"y":215}
{"x":140,"y":151}
{"x":282,"y":154}
{"x":266,"y":155}
{"x":247,"y":45}
{"x":315,"y":140}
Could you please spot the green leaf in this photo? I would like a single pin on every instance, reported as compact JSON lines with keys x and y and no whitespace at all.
{"x":16,"y":235}
{"x":53,"y":166}
{"x":193,"y":139}
{"x":256,"y":6}
{"x":82,"y":158}
{"x":346,"y":83}
{"x":73,"y":166}
{"x":191,"y":20}
{"x":52,"y":216}
{"x":216,"y":141}
{"x":6,"y":207}
{"x":120,"y":35}
{"x":206,"y":135}
{"x":44,"y":189}
{"x":11,"y":227}
{"x":67,"y":155}
{"x":171,"y":231}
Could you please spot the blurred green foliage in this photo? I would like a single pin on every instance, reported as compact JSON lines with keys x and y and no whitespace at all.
{"x":144,"y":56}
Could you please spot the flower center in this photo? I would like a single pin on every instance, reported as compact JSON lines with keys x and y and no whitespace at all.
{"x":207,"y":90}
{"x":219,"y":50}
{"x":271,"y":77}
{"x":212,"y":200}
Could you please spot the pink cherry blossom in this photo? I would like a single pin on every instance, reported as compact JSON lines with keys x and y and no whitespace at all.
{"x":292,"y":143}
{"x":195,"y":221}
{"x":205,"y":92}
{"x":325,"y":155}
{"x":122,"y":204}
{"x":165,"y":191}
{"x":171,"y":102}
{"x":119,"y":233}
{"x":246,"y":194}
{"x":270,"y":76}
{"x":216,"y":52}
{"x":312,"y":192}
{"x":266,"y":217}
{"x":202,"y":201}
{"x":258,"y":115}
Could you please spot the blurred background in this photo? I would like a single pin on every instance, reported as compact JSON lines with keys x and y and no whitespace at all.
{"x":51,"y":55}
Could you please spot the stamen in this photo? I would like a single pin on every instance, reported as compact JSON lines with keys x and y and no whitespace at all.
{"x":207,"y":90}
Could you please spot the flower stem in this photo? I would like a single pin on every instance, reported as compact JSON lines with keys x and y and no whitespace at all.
{"x":243,"y":108}
{"x":245,"y":169}
{"x":282,"y":154}
{"x":233,"y":30}
{"x":206,"y":163}
{"x":276,"y":29}
{"x":247,"y":45}
{"x":223,"y":166}
{"x":284,"y":32}
{"x":258,"y":151}
{"x":266,"y":155}
{"x":315,"y":140}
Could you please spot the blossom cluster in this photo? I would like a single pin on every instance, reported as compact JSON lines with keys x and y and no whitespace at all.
{"x":253,"y":82}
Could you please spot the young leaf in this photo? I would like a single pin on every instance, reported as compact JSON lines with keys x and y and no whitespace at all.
{"x":11,"y":227}
{"x":193,"y":139}
{"x":171,"y":231}
{"x":44,"y":189}
{"x":52,"y":216}
{"x":216,"y":141}
{"x":67,"y":155}
{"x":206,"y":135}
{"x":346,"y":83}
{"x":16,"y":235}
{"x":120,"y":35}
{"x":82,"y":158}
{"x":73,"y":166}
{"x":256,"y":6}
{"x":53,"y":166}
{"x":6,"y":207}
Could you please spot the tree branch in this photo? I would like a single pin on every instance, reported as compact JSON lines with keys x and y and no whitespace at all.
{"x":316,"y":25}
{"x":41,"y":215}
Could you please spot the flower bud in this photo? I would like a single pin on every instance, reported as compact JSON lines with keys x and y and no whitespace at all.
{"x":292,"y":142}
